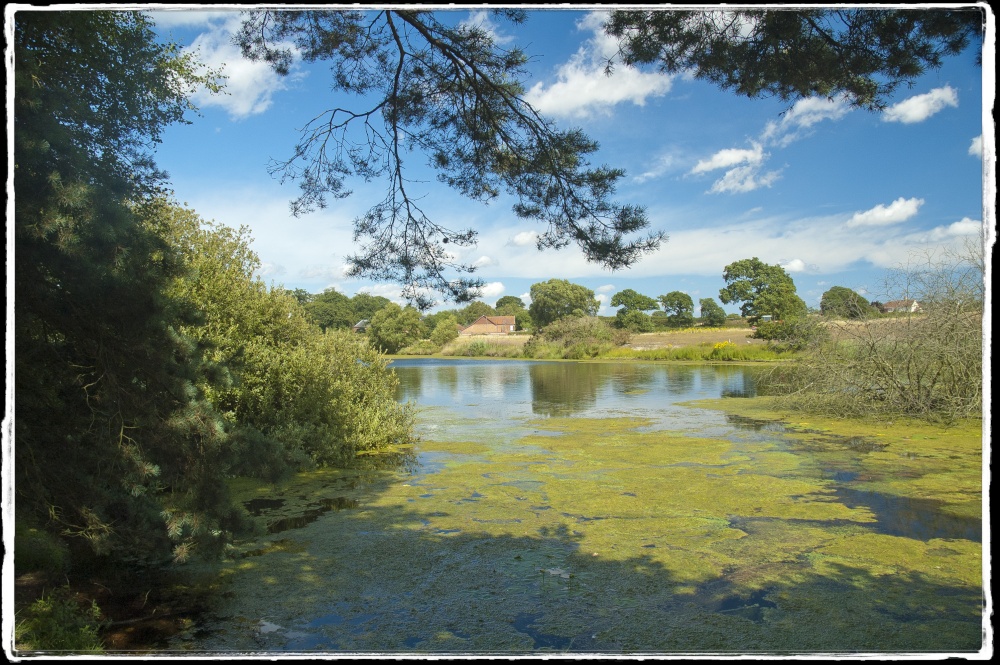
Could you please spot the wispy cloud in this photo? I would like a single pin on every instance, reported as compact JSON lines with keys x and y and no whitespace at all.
{"x":747,"y":165}
{"x":963,"y":227}
{"x":250,"y":86}
{"x":664,"y":164}
{"x":480,"y":18}
{"x":188,"y":18}
{"x":799,"y":120}
{"x":744,"y":179}
{"x":730,"y":157}
{"x":898,"y":211}
{"x":920,"y":107}
{"x":582,"y":88}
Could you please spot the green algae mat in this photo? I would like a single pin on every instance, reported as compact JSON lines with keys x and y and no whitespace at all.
{"x":586,"y":534}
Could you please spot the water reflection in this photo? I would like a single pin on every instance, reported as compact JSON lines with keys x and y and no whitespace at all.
{"x":524,"y":389}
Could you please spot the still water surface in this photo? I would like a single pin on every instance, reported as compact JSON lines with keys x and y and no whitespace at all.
{"x":583,"y":507}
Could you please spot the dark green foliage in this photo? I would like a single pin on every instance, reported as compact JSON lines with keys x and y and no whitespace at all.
{"x":630,"y":300}
{"x":331,"y":310}
{"x":294,"y":395}
{"x":762,"y":289}
{"x":455,"y":96}
{"x":444,"y":331}
{"x":365,"y":305}
{"x":509,"y":302}
{"x":634,"y":321}
{"x":575,"y":337}
{"x":863,"y":53}
{"x":100,"y":370}
{"x":57,"y":623}
{"x":712,"y":315}
{"x":395,"y":327}
{"x":794,"y":335}
{"x":679,"y":308}
{"x":558,"y":298}
{"x":842,"y":302}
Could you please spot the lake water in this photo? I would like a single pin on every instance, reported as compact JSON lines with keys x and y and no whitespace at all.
{"x":586,"y":508}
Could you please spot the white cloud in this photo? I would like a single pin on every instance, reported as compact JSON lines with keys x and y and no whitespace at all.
{"x":393,"y":292}
{"x":744,"y":179}
{"x":525,"y":238}
{"x":491,"y":290}
{"x":249,"y":86}
{"x":795,"y":265}
{"x":484,"y":261}
{"x":730,"y":157}
{"x":664,"y":164}
{"x":805,"y":113}
{"x":976,"y":148}
{"x":582,"y":86}
{"x":270,"y":270}
{"x":963,"y":227}
{"x":481,"y":19}
{"x":920,"y":107}
{"x":899,"y":210}
{"x":170,"y":18}
{"x":327,"y":272}
{"x":607,"y":288}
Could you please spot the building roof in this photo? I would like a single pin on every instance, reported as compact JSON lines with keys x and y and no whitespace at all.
{"x":493,"y":320}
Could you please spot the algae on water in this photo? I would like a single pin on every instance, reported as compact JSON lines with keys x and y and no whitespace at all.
{"x":598,"y":534}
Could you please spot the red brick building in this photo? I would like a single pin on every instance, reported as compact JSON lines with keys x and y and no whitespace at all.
{"x":490,"y":325}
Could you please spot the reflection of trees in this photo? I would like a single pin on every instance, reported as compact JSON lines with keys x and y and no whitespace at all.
{"x":494,"y":380}
{"x":681,"y":380}
{"x":736,"y":381}
{"x":446,"y":379}
{"x":410,"y":383}
{"x":564,"y":389}
{"x":631,"y":378}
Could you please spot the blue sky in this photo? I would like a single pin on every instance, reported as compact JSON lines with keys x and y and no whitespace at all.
{"x":834,"y":195}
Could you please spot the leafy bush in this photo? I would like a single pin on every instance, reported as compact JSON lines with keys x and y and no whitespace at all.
{"x":424,"y":347}
{"x":794,"y":334}
{"x":635,"y":321}
{"x":575,"y":337}
{"x":57,"y":623}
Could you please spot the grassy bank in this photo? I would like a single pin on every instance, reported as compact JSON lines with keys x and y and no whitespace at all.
{"x":690,"y":345}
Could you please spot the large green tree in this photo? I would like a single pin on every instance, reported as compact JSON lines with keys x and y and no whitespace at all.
{"x":453,"y":93}
{"x":100,"y":371}
{"x":844,"y":302}
{"x":393,"y":327}
{"x":711,"y":314}
{"x":331,"y":309}
{"x":514,"y":306}
{"x":862,"y":53}
{"x":633,"y":301}
{"x":366,"y":305}
{"x":679,"y":308}
{"x":761,"y":289}
{"x":557,"y":298}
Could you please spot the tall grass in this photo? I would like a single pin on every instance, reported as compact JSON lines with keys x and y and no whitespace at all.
{"x":508,"y":346}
